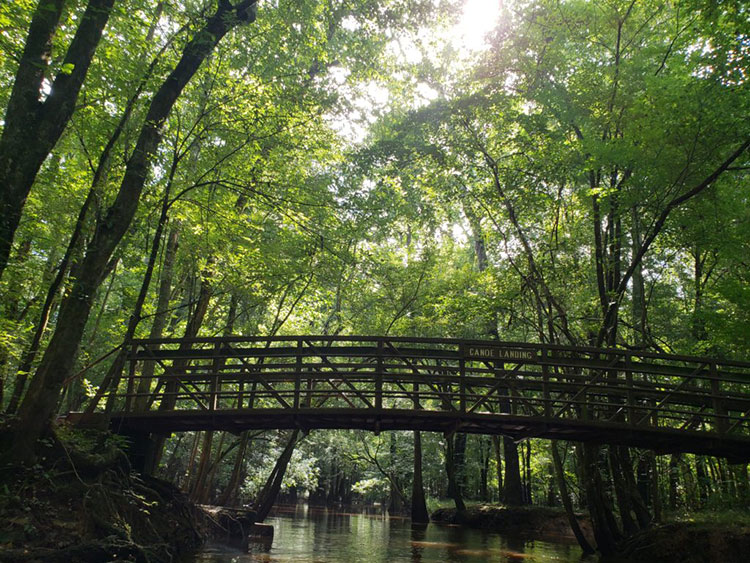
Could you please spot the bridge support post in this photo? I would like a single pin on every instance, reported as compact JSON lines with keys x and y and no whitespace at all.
{"x":718,"y":405}
{"x":379,"y":379}
{"x":298,"y":375}
{"x":213,"y":403}
{"x":462,"y":380}
{"x":241,"y":388}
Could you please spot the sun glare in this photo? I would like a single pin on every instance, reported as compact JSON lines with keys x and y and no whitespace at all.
{"x":367,"y":101}
{"x":478,"y":19}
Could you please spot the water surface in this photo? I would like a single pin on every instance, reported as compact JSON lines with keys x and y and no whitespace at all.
{"x":324,"y":536}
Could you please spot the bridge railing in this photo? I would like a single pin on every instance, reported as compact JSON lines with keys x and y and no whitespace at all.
{"x":456,"y":377}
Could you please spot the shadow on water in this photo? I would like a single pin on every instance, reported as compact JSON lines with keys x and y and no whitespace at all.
{"x":305,"y":533}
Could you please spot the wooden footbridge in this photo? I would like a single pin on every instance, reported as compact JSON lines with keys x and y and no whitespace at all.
{"x":662,"y":402}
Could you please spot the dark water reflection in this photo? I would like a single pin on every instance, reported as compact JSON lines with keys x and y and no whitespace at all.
{"x":317,"y":535}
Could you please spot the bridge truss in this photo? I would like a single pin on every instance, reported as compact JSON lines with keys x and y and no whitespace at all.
{"x":662,"y":402}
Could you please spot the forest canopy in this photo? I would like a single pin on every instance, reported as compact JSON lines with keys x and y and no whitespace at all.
{"x":577,"y":178}
{"x":572,"y":172}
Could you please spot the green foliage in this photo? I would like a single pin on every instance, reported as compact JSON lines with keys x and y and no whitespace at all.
{"x":481,"y":213}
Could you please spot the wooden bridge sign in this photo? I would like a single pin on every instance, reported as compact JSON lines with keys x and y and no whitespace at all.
{"x":503,"y":353}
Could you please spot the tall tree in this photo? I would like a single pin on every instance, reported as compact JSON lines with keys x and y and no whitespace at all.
{"x":40,"y":401}
{"x":32,"y":108}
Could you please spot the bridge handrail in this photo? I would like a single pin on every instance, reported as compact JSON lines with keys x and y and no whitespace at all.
{"x":448,"y":341}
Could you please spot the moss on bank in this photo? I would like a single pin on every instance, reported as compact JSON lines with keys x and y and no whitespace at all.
{"x":81,"y":502}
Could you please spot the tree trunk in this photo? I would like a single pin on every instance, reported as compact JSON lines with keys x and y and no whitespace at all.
{"x":12,"y":311}
{"x":563,"y":487}
{"x":527,"y":474}
{"x":480,"y":251}
{"x":674,"y":479}
{"x":605,"y":529}
{"x":704,"y":483}
{"x":419,"y":512}
{"x":170,"y":388}
{"x":397,"y":502}
{"x":206,"y":494}
{"x":207,"y":471}
{"x":54,"y":289}
{"x":643,"y":516}
{"x":454,"y":491}
{"x":21,"y":154}
{"x":459,"y":456}
{"x":197,"y":487}
{"x":191,"y":461}
{"x":40,"y":402}
{"x":114,"y":374}
{"x":656,"y":497}
{"x":639,"y":293}
{"x":170,"y":467}
{"x":499,"y":466}
{"x":484,"y":468}
{"x":512,"y":491}
{"x":743,"y":483}
{"x":623,"y":498}
{"x":160,"y":317}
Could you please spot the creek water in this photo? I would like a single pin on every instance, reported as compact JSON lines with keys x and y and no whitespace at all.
{"x":323,"y":536}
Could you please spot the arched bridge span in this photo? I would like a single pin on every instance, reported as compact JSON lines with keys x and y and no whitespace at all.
{"x":663,"y":402}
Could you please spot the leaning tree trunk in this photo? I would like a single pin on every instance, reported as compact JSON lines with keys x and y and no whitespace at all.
{"x":53,"y":290}
{"x":270,"y":491}
{"x":563,"y":487}
{"x":229,"y":495}
{"x":621,"y":493}
{"x":199,"y":490}
{"x":29,"y":356}
{"x":114,"y":374}
{"x":40,"y":402}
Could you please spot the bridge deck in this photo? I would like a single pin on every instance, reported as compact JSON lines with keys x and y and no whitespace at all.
{"x":667,"y":403}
